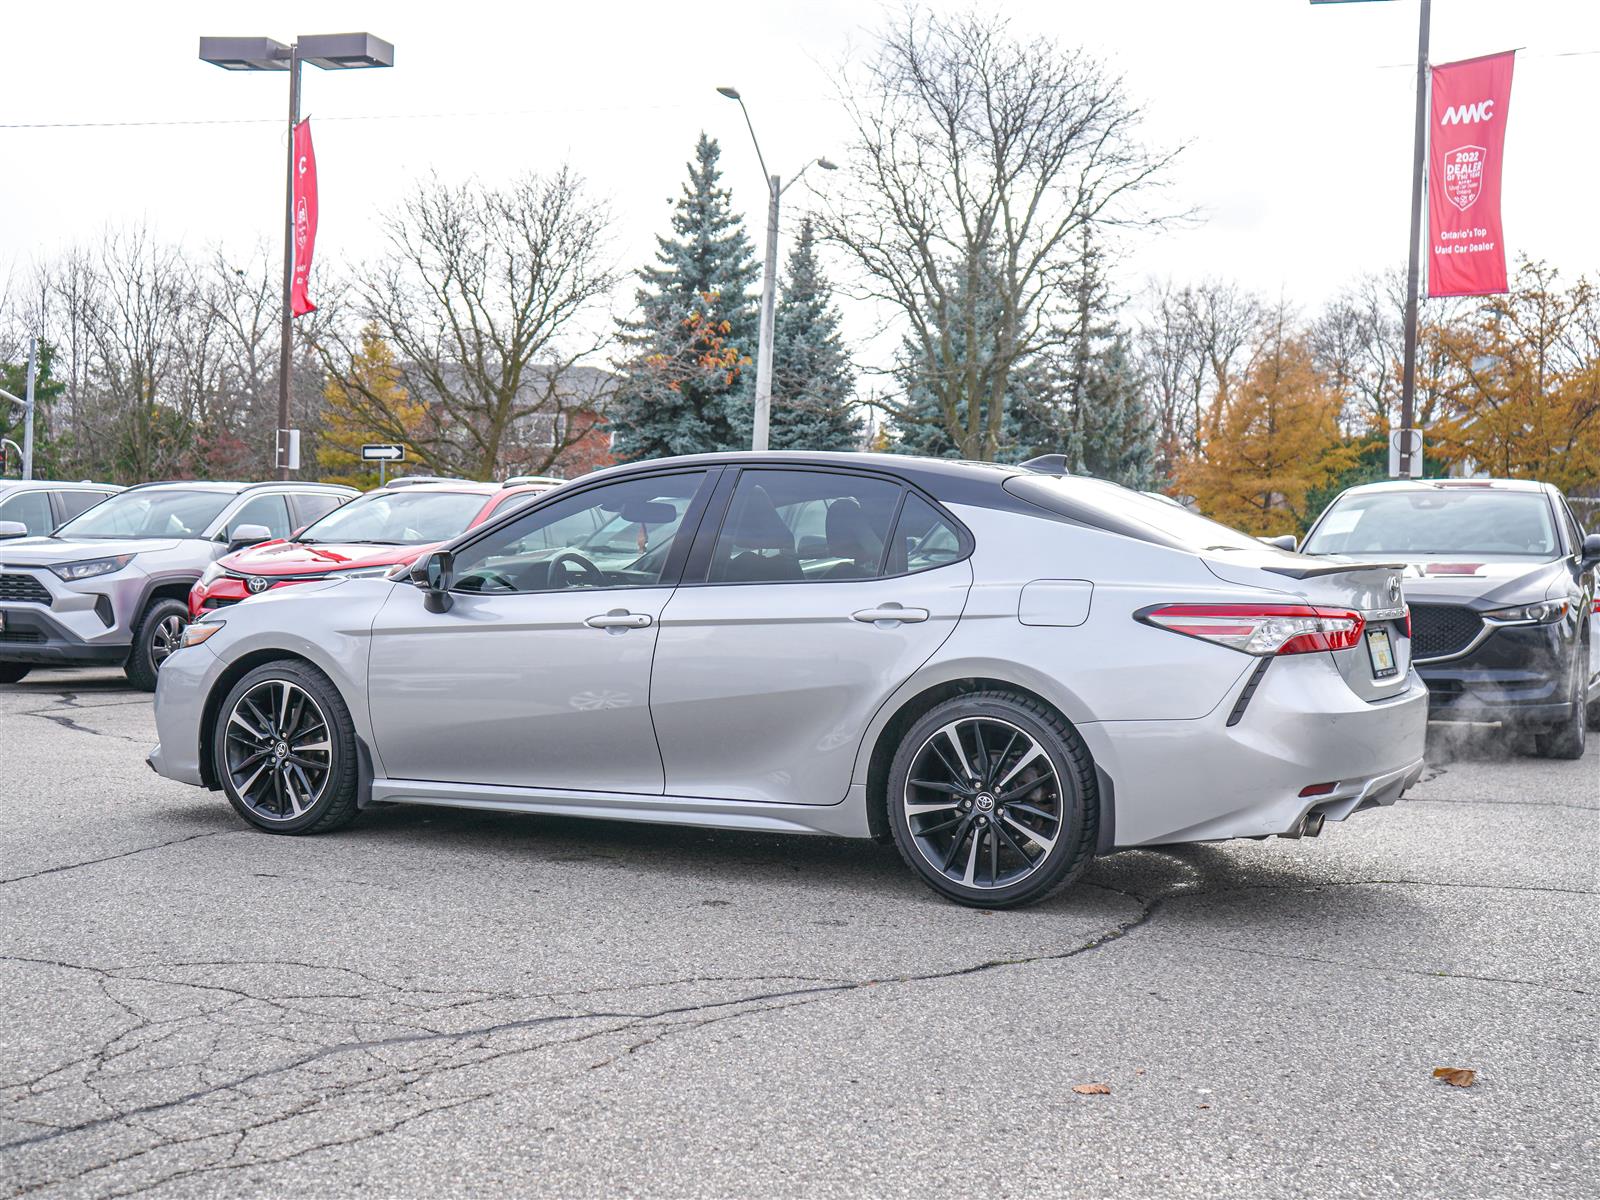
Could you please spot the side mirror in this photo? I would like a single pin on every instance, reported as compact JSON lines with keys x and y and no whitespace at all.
{"x":248,"y":535}
{"x":1590,"y":554}
{"x":12,"y":529}
{"x":436,"y":574}
{"x":1284,"y":541}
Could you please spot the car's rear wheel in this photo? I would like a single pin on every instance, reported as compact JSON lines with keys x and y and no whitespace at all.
{"x":14,"y":672}
{"x":285,"y":750}
{"x":1569,"y":739}
{"x":990,"y":800}
{"x":158,"y":633}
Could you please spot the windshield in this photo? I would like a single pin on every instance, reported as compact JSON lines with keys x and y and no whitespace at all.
{"x":1437,"y":521}
{"x":399,"y":518}
{"x":150,"y":512}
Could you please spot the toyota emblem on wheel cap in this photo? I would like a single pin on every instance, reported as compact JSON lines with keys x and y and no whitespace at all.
{"x":256,"y":584}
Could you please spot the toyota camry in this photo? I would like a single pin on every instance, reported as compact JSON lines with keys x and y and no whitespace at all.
{"x":1003,"y":671}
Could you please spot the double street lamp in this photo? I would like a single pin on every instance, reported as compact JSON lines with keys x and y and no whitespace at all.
{"x":331,"y":52}
{"x":769,"y":276}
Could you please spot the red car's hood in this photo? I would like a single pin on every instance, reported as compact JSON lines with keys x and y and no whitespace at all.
{"x":297,"y":558}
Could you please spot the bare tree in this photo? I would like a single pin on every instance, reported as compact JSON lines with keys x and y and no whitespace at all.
{"x":1194,"y":344}
{"x":978,"y":159}
{"x":490,"y":299}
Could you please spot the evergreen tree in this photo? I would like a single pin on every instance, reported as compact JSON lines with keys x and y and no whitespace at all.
{"x":1113,"y":437}
{"x":812,"y":378}
{"x":686,"y":384}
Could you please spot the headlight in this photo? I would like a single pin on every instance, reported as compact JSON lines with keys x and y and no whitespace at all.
{"x":200,"y":631}
{"x":212,"y":573}
{"x":362,"y":573}
{"x":88,"y":568}
{"x":1546,"y":612}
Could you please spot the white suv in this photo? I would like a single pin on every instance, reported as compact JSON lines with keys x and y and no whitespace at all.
{"x":110,"y":586}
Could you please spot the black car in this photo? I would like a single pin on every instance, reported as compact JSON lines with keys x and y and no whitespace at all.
{"x":1501,"y":582}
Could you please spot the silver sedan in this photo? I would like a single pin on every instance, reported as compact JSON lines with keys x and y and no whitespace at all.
{"x":1004,"y":672}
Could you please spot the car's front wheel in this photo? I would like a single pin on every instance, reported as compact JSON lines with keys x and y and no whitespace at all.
{"x":285,"y":750}
{"x":158,"y":633}
{"x":990,"y":800}
{"x":1569,"y":739}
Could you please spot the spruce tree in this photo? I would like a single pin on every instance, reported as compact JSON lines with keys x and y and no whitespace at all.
{"x":812,"y":377}
{"x":689,"y":375}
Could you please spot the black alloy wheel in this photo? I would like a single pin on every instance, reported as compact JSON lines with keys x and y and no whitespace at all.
{"x":285,"y":750}
{"x":988,"y":800}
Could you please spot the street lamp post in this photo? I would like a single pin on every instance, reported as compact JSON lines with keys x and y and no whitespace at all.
{"x":330,"y":52}
{"x":769,"y":279}
{"x":26,"y":405}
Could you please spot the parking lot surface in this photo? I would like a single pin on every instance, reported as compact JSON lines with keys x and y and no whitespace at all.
{"x":437,"y":1002}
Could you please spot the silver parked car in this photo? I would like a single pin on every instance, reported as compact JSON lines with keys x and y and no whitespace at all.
{"x":1003,"y":672}
{"x":110,"y":587}
{"x":31,"y":507}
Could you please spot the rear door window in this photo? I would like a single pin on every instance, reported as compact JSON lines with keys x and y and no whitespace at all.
{"x":922,"y":539}
{"x":74,"y":502}
{"x":788,"y":526}
{"x":313,"y":506}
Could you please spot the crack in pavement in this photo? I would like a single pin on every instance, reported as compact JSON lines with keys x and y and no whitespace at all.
{"x":629,"y":1018}
{"x":70,"y":700}
{"x":90,"y":862}
{"x":472,"y":1049}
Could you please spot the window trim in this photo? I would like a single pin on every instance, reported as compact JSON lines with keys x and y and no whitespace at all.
{"x":671,"y":572}
{"x":697,"y":573}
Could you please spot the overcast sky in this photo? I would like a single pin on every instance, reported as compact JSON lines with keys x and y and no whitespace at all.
{"x":1297,"y":117}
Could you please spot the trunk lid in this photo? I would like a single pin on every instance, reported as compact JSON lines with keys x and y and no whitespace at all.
{"x":1374,"y":589}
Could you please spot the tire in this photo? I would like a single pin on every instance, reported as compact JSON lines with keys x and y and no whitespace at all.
{"x":154,"y":638}
{"x":14,"y":672}
{"x":956,"y":836}
{"x":316,"y":722}
{"x":1568,"y":740}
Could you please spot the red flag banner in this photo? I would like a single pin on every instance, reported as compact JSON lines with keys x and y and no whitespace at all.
{"x":305,"y":218}
{"x":1466,"y":144}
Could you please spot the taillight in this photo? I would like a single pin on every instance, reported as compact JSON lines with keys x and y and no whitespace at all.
{"x":1261,"y":629}
{"x":1408,"y":620}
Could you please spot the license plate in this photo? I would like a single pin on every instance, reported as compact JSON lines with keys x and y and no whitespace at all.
{"x":1381,"y":652}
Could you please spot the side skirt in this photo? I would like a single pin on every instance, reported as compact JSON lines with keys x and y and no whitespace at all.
{"x":848,"y":819}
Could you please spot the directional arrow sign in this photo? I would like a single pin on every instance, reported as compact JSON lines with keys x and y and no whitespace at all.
{"x":383,"y":452}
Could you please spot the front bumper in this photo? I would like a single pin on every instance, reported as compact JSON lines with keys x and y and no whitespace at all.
{"x":184,"y":682}
{"x":34,"y":634}
{"x":1517,"y":675}
{"x":71,"y":624}
{"x":1202,"y":780}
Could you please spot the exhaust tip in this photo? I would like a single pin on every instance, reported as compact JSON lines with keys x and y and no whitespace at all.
{"x":1309,"y":825}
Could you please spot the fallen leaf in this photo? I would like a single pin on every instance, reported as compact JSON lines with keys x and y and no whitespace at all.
{"x":1203,"y":1106}
{"x":1456,"y":1076}
{"x":1092,"y":1089}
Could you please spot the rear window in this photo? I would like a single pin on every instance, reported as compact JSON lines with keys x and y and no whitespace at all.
{"x":1117,"y":509}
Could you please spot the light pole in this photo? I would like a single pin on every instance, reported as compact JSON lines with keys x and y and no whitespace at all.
{"x":25,"y":403}
{"x":769,"y":278}
{"x":331,"y":52}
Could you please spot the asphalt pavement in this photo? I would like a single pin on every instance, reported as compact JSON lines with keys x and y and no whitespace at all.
{"x":445,"y":1003}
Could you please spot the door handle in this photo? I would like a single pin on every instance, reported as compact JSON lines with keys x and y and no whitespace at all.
{"x":618,"y":619}
{"x":890,"y":612}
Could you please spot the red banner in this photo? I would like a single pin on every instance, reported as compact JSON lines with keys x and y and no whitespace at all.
{"x":1466,"y":144}
{"x":305,"y":218}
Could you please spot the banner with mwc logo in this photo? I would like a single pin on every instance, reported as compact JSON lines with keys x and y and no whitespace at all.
{"x":1466,"y":245}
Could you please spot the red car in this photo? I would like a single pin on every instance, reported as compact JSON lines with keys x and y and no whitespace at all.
{"x":394,"y":524}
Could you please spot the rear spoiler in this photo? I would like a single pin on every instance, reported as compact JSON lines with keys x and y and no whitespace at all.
{"x":1296,"y":572}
